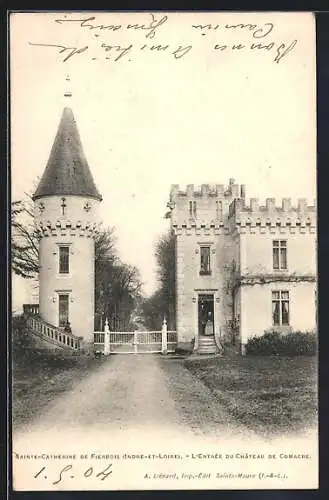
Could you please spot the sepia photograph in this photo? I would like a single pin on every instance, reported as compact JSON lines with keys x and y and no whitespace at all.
{"x":164,"y":251}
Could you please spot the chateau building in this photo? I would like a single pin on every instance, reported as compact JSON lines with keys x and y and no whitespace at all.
{"x":66,"y":204}
{"x":241,"y":268}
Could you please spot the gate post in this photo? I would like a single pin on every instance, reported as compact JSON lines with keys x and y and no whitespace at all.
{"x":164,"y":347}
{"x":135,"y":341}
{"x":107,"y":348}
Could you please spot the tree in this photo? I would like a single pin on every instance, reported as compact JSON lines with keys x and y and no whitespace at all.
{"x":163,"y":301}
{"x":25,"y":240}
{"x":117,"y":293}
{"x":105,"y":246}
{"x":153,"y":310}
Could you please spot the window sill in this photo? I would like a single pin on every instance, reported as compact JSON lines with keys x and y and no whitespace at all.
{"x":205,"y":273}
{"x":280,"y":270}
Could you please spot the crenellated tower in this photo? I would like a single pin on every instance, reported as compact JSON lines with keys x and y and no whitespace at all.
{"x":241,"y":267}
{"x":66,"y":213}
{"x":205,"y":206}
{"x":199,"y":218}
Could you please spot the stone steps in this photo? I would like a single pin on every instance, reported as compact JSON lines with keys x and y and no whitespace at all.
{"x":207,"y":345}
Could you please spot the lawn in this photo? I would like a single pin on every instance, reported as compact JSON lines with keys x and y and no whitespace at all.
{"x":38,"y":377}
{"x":270,"y":395}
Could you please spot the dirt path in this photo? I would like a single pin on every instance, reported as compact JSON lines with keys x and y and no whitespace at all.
{"x":132,"y":396}
{"x":148,"y":421}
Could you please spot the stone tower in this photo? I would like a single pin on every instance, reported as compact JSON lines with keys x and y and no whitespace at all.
{"x":204,"y":246}
{"x":66,"y":204}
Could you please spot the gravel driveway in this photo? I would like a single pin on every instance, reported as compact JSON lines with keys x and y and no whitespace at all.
{"x":145,"y":418}
{"x":147,"y":396}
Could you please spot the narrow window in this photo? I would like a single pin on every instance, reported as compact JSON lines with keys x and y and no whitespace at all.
{"x":64,"y":260}
{"x":194,"y":208}
{"x":285,"y":308}
{"x":205,"y":260}
{"x":283,"y":254}
{"x":63,"y":309}
{"x":280,"y":308}
{"x":191,"y":208}
{"x":279,"y":254}
{"x":218,"y":208}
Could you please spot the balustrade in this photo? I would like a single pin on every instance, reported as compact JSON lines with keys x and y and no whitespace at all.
{"x":31,"y":309}
{"x":53,"y":334}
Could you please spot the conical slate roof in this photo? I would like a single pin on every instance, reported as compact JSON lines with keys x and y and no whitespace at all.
{"x":67,"y":171}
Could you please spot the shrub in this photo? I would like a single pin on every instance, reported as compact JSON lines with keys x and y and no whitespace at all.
{"x":20,"y":336}
{"x":275,"y":343}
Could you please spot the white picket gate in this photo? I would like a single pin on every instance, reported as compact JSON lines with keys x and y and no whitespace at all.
{"x":138,"y":342}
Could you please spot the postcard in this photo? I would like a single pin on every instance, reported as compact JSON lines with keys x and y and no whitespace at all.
{"x":164,"y":234}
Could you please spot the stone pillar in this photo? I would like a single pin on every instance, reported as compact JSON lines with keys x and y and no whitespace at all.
{"x":107,"y":346}
{"x":164,"y":331}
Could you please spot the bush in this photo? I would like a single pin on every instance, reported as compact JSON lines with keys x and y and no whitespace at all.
{"x":20,"y":336}
{"x":275,"y":343}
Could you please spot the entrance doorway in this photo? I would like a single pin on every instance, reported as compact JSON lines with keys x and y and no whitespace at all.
{"x":63,"y":309}
{"x":206,"y":314}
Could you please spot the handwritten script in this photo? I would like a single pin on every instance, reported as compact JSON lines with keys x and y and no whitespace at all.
{"x":67,"y":472}
{"x":103,"y":39}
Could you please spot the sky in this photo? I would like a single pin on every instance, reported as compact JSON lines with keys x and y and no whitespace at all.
{"x":189,"y":113}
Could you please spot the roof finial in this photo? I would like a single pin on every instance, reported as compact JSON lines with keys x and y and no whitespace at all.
{"x":68,"y":93}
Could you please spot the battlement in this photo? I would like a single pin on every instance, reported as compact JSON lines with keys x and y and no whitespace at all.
{"x":285,"y":214}
{"x":63,"y":228}
{"x":225,"y":207}
{"x":232,"y":190}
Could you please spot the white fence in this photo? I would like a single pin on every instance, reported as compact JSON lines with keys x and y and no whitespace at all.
{"x":137,"y":342}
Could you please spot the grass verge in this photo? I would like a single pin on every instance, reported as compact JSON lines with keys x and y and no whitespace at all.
{"x":39,"y":376}
{"x":270,"y":395}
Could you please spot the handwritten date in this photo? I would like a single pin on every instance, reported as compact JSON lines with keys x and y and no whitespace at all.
{"x":68,"y":473}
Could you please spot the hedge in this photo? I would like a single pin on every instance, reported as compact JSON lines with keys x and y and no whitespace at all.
{"x":290,"y":344}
